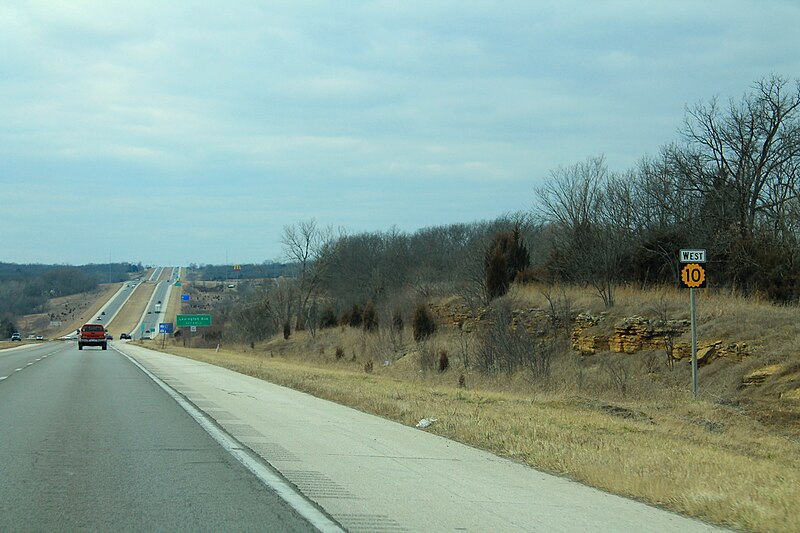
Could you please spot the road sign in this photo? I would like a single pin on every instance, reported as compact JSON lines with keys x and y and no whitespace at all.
{"x":193,"y":320}
{"x":193,"y":329}
{"x":165,"y":327}
{"x":185,"y":297}
{"x":692,"y":256}
{"x":177,"y":283}
{"x":693,"y":276}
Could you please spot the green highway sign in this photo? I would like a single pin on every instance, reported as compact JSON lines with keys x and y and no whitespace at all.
{"x":177,"y":283}
{"x":193,"y":320}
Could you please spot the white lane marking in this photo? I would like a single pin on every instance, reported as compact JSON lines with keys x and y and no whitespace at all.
{"x":29,"y":364}
{"x":39,"y":359}
{"x":17,"y":369}
{"x":3,"y":377}
{"x":267,"y":476}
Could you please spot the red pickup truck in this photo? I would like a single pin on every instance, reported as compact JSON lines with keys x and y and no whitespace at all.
{"x":92,"y":335}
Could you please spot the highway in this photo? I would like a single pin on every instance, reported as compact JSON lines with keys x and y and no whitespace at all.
{"x":90,"y":443}
{"x":156,"y":307}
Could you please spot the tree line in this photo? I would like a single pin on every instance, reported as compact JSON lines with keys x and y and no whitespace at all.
{"x":25,"y":289}
{"x":727,"y":184}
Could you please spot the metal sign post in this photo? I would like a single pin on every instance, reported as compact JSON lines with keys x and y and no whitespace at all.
{"x":693,"y":275}
{"x":694,"y":343}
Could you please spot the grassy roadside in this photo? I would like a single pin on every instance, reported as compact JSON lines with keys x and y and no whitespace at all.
{"x":130,"y":314}
{"x":98,"y":299}
{"x":701,"y":459}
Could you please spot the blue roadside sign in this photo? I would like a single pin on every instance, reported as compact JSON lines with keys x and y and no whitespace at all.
{"x":165,"y":327}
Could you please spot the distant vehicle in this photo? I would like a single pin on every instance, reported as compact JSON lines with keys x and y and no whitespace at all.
{"x":16,"y":337}
{"x":124,"y":336}
{"x":231,"y":286}
{"x":39,"y":337}
{"x":109,"y":337}
{"x":92,"y":335}
{"x":103,"y":313}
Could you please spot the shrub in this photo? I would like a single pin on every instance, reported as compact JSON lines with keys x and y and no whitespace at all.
{"x":443,"y":361}
{"x":7,"y":327}
{"x":370,"y":318}
{"x":397,"y":321}
{"x":339,"y":352}
{"x":506,"y":256}
{"x":328,"y":318}
{"x":423,"y":323}
{"x":353,"y":318}
{"x":504,"y":347}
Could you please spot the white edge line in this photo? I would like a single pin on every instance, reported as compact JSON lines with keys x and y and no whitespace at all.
{"x":282,"y":488}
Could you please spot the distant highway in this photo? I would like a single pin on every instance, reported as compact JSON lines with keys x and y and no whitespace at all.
{"x":89,"y":443}
{"x":156,"y":274}
{"x":157,"y":306}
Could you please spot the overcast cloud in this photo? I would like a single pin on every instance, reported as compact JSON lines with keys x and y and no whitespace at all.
{"x":189,"y":131}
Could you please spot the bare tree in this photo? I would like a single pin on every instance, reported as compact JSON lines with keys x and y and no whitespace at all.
{"x":305,"y":244}
{"x":744,"y":159}
{"x":591,"y":210}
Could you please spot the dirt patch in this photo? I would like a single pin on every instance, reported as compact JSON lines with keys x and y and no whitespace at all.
{"x":619,"y":411}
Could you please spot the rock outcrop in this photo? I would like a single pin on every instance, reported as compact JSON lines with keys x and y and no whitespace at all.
{"x":591,"y":334}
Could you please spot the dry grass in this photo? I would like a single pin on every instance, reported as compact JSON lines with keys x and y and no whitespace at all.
{"x":701,"y":458}
{"x":731,"y":458}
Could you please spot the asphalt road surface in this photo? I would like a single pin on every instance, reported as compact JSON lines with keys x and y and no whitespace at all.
{"x":89,"y":443}
{"x":156,"y":308}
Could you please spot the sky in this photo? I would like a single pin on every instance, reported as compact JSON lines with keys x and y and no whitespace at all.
{"x":192,"y":131}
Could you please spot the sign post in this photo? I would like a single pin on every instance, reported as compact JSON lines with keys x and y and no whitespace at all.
{"x":693,"y":275}
{"x":192,"y":321}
